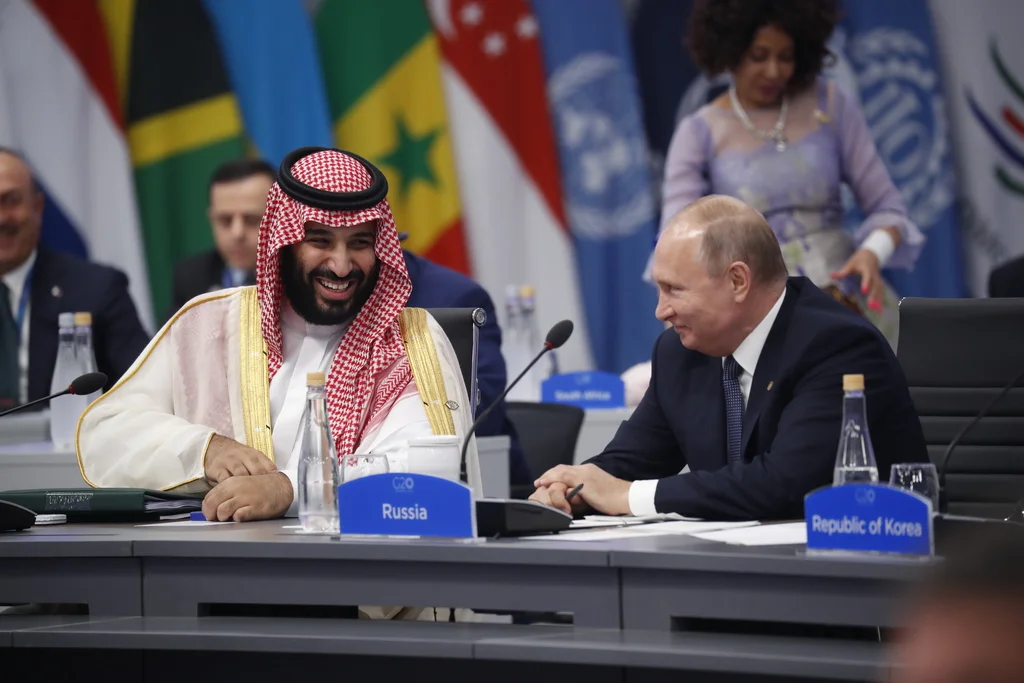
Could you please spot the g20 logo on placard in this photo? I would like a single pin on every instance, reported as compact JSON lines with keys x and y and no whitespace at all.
{"x":403,"y":484}
{"x":865,"y":496}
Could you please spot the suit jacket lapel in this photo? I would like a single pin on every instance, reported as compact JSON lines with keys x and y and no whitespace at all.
{"x":768,"y":364}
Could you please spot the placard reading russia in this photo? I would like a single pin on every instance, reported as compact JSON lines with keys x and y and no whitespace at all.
{"x":410,"y":505}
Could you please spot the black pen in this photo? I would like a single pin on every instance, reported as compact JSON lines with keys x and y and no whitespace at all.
{"x":572,"y":494}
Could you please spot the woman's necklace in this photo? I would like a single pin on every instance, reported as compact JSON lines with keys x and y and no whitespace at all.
{"x":775,"y":133}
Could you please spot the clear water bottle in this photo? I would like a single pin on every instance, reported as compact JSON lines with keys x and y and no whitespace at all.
{"x":65,"y":410}
{"x":83,"y":347}
{"x":318,"y":476}
{"x":513,"y":345}
{"x":855,"y":461}
{"x":531,"y":343}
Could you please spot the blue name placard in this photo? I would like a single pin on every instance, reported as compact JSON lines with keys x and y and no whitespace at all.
{"x":869,"y":518}
{"x":593,"y":389}
{"x":406,"y":504}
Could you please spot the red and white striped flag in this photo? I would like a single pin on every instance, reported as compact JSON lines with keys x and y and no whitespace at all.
{"x":507,"y":162}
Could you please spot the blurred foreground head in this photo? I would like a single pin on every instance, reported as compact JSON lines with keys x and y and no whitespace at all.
{"x":967,"y":624}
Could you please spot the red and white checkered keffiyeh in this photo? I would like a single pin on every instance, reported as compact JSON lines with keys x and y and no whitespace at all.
{"x":372,"y":345}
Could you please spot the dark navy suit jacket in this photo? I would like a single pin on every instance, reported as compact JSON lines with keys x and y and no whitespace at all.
{"x":195,"y":275}
{"x":434,"y":286}
{"x":62,"y":283}
{"x":792,"y":421}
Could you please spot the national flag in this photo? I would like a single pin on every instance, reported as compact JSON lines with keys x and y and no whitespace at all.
{"x":986,"y":95}
{"x":608,"y":187}
{"x":893,"y":52}
{"x":183,"y":121}
{"x":507,"y":160}
{"x":58,"y":106}
{"x":279,"y":85}
{"x":382,"y":72}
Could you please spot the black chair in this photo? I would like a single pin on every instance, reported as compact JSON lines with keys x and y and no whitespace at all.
{"x":957,"y":355}
{"x":462,"y":326}
{"x":547,"y":435}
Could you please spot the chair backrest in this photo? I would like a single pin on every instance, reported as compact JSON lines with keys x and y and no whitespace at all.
{"x":547,"y":433}
{"x":462,"y":326}
{"x":957,"y":355}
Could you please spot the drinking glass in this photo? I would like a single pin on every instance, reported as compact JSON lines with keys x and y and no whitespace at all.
{"x":918,"y":477}
{"x":361,"y":465}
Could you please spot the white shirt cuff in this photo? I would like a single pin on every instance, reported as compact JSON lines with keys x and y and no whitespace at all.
{"x":641,"y":497}
{"x":293,"y":477}
{"x":881,"y":243}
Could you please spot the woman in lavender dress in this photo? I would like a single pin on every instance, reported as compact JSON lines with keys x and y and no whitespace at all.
{"x":784,"y":140}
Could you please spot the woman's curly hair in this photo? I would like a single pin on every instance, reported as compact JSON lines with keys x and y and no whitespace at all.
{"x":720,"y":32}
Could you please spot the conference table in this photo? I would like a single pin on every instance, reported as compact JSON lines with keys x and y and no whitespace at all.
{"x":199,"y":597}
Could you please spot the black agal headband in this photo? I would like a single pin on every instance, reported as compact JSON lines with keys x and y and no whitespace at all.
{"x":325,"y":199}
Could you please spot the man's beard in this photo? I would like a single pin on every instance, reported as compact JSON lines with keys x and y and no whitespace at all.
{"x":301,"y":291}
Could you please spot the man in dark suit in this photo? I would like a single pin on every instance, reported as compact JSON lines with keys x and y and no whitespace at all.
{"x":1007,"y":280}
{"x":434,"y":286}
{"x":37,"y":284}
{"x":752,"y":398}
{"x":238,"y":199}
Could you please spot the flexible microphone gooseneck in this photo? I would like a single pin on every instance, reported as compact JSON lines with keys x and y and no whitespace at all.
{"x":944,"y":463}
{"x":82,"y":385}
{"x":557,"y":336}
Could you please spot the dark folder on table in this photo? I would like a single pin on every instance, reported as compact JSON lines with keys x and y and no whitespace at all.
{"x":105,"y":505}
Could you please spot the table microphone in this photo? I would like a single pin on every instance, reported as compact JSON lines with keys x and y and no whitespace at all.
{"x":82,"y":385}
{"x":944,"y":463}
{"x":557,"y":336}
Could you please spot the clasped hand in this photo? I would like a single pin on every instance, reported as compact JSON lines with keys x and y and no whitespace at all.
{"x":601,"y":491}
{"x":247,"y":485}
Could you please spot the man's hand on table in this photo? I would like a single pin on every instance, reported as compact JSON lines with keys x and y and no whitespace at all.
{"x":601,"y":491}
{"x":226,"y":458}
{"x":247,"y":499}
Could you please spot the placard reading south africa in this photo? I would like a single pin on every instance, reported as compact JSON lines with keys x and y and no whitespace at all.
{"x":869,"y":518}
{"x":590,"y":389}
{"x":406,"y":504}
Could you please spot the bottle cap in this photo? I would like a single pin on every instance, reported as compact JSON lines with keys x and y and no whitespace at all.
{"x":853,"y":382}
{"x":83,"y":319}
{"x":66,"y":320}
{"x":526,"y":291}
{"x":314,"y":379}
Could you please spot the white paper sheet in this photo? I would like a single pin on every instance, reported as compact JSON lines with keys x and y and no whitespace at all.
{"x":601,"y":521}
{"x":186,"y":522}
{"x":680,"y":527}
{"x":794,"y":533}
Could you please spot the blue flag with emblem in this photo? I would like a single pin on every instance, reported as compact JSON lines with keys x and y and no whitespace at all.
{"x":892,"y":51}
{"x":598,"y":122}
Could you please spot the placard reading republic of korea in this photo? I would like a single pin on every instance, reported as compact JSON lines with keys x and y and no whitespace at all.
{"x":869,"y":518}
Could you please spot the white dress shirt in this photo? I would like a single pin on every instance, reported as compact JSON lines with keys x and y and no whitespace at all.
{"x":642,"y":493}
{"x":16,"y":282}
{"x":305,"y":348}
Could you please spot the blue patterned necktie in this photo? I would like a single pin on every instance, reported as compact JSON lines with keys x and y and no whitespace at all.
{"x":10,"y":374}
{"x":731,"y":372}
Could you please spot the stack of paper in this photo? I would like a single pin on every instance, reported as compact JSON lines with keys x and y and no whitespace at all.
{"x":794,"y":533}
{"x":638,"y":530}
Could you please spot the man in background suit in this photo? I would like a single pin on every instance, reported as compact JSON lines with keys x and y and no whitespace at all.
{"x":1007,"y":280}
{"x":434,"y":286}
{"x":238,"y":198}
{"x":37,"y":285}
{"x":752,"y":397}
